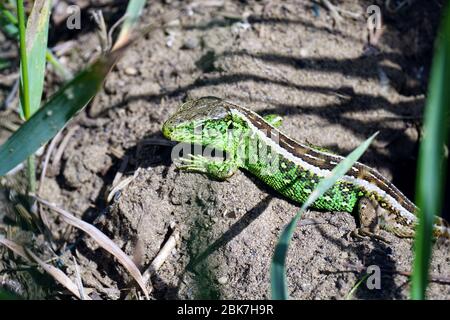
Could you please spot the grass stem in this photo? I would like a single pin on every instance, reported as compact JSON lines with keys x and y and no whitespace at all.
{"x":24,"y":83}
{"x":25,"y":89}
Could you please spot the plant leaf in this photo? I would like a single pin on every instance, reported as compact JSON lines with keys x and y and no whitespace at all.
{"x":49,"y":119}
{"x":431,"y":167}
{"x":134,"y":10}
{"x":36,"y":40}
{"x":278,"y":268}
{"x":4,"y":64}
{"x":63,"y":105}
{"x":8,"y":22}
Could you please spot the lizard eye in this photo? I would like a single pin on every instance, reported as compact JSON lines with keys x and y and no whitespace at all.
{"x":230,"y":125}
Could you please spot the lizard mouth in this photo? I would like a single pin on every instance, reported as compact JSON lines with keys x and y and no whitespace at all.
{"x":177,"y":130}
{"x":174,"y":126}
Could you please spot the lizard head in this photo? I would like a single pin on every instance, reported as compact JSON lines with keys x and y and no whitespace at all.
{"x":206,"y":121}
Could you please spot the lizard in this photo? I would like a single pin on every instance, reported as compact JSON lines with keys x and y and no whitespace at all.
{"x":255,"y":144}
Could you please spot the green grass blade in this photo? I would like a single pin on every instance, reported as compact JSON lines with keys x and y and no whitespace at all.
{"x":24,"y":88}
{"x":356,"y":286}
{"x":4,"y":64}
{"x":49,"y":119}
{"x":278,"y":279}
{"x":24,"y":74}
{"x":134,"y":11}
{"x":8,"y":22}
{"x":61,"y":107}
{"x":36,"y":47}
{"x":278,"y":267}
{"x":7,"y":295}
{"x":430,"y":178}
{"x":62,"y":71}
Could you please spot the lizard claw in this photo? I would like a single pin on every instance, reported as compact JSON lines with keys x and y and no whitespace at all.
{"x":192,"y":163}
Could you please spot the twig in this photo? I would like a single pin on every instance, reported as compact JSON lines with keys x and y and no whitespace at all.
{"x":336,"y":12}
{"x":163,"y":254}
{"x":122,"y":184}
{"x":333,"y":10}
{"x":119,"y":174}
{"x":350,"y":14}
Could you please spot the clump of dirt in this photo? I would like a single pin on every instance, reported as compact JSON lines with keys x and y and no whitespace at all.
{"x":331,"y":88}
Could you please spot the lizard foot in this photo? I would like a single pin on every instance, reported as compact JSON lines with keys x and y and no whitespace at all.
{"x":194,"y":163}
{"x":361,"y":234}
{"x":218,"y":169}
{"x":369,"y":213}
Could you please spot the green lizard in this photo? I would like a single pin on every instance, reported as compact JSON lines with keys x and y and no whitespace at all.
{"x":254,"y":143}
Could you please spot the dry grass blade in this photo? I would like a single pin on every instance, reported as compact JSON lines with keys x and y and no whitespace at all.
{"x":102,"y":240}
{"x":14,"y":247}
{"x":50,"y":148}
{"x":57,"y":274}
{"x":78,"y":280}
{"x":59,"y":152}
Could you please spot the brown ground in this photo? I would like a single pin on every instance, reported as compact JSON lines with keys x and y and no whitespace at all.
{"x":331,"y":91}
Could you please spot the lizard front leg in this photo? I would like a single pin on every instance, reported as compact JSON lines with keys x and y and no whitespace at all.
{"x":218,"y":169}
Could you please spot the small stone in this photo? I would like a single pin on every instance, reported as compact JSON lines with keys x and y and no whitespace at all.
{"x":130,"y":71}
{"x":170,"y":39}
{"x":176,"y":201}
{"x":223,"y":280}
{"x":230,"y":214}
{"x":190,"y":43}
